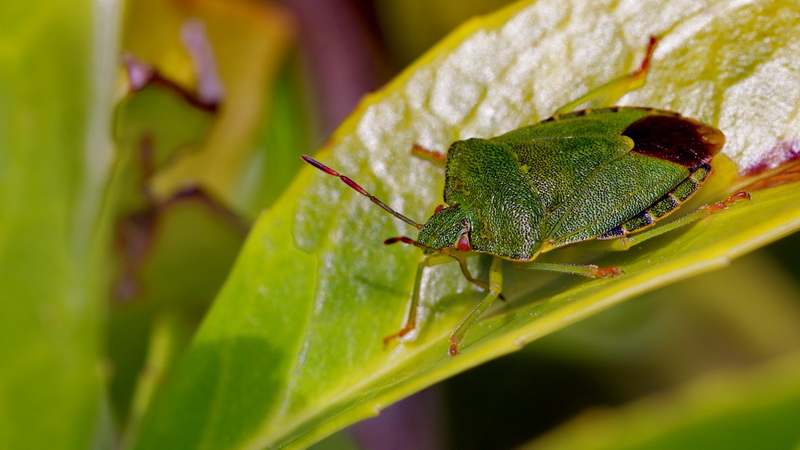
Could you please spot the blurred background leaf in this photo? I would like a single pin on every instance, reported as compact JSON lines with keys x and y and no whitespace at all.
{"x":56,"y":76}
{"x":756,"y":408}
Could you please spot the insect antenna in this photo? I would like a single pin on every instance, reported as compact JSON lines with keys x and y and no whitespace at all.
{"x":360,"y":190}
{"x":409,"y":241}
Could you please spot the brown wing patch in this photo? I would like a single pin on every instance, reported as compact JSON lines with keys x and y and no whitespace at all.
{"x":676,"y":139}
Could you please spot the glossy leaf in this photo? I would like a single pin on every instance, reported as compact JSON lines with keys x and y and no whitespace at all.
{"x":291,"y":350}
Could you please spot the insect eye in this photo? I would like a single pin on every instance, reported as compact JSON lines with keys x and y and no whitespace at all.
{"x":463,"y":243}
{"x":439,"y":208}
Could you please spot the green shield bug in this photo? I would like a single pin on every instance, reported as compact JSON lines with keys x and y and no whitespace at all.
{"x":579,"y":176}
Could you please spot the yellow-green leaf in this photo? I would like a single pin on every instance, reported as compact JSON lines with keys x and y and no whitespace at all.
{"x":292,"y":351}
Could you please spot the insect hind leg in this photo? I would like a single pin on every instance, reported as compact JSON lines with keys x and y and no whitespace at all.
{"x":608,"y":94}
{"x":663,"y":206}
{"x":629,"y":241}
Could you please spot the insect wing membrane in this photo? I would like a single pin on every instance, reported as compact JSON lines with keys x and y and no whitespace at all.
{"x":666,"y":148}
{"x":619,"y":189}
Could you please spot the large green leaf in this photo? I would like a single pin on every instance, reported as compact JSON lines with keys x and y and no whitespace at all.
{"x":291,"y":350}
{"x":56,"y":70}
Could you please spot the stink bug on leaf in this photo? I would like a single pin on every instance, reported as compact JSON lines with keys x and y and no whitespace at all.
{"x":579,"y":176}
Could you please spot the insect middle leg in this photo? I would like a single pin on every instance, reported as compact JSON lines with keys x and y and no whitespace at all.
{"x":585,"y":270}
{"x":625,"y":241}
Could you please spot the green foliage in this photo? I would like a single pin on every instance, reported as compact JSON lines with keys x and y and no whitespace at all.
{"x":55,"y":161}
{"x":751,"y":409}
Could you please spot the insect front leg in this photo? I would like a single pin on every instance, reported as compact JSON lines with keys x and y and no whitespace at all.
{"x":495,"y":287}
{"x":436,"y":157}
{"x":411,"y":320}
{"x":609,"y":93}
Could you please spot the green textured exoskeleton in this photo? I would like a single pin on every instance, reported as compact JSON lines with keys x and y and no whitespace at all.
{"x":591,"y":174}
{"x":585,"y":175}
